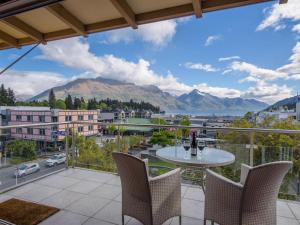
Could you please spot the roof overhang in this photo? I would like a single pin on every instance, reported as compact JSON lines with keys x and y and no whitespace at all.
{"x":25,"y":22}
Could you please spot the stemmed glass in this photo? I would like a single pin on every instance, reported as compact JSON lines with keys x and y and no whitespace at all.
{"x":186,"y":146}
{"x":200,"y":146}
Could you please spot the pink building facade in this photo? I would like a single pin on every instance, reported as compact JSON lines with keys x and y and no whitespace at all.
{"x":44,"y":135}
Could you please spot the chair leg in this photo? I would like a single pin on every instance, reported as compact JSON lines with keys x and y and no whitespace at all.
{"x":212,"y":222}
{"x":204,"y":222}
{"x":123,"y":220}
{"x":180,"y":220}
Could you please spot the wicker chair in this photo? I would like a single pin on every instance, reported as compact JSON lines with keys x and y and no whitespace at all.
{"x":152,"y":201}
{"x":250,"y":202}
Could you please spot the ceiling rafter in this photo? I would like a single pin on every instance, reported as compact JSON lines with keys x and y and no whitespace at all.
{"x":126,"y":11}
{"x":24,"y":28}
{"x":197,"y":5}
{"x":8,"y":39}
{"x":63,"y":14}
{"x":142,"y":18}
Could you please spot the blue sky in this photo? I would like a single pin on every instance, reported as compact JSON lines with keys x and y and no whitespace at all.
{"x":252,"y":52}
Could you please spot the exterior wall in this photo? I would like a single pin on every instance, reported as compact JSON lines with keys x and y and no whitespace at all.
{"x":36,"y":130}
{"x":74,"y":115}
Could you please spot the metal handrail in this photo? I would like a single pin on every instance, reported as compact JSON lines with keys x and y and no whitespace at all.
{"x":156,"y":126}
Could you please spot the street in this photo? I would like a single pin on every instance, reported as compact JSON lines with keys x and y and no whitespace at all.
{"x":8,"y":179}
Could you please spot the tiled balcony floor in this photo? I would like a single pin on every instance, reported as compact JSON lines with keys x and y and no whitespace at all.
{"x":94,"y":198}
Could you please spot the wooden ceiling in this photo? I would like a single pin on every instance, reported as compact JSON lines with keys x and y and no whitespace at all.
{"x":25,"y":22}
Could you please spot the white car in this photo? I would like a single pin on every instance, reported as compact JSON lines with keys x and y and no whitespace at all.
{"x":26,"y":169}
{"x":56,"y":159}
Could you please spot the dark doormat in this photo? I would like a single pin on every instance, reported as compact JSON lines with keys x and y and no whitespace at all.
{"x":24,"y":213}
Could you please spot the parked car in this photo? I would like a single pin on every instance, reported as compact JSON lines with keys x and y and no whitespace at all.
{"x":56,"y":159}
{"x":26,"y":169}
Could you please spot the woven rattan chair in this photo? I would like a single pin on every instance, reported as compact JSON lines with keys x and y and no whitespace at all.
{"x":250,"y":202}
{"x":152,"y":201}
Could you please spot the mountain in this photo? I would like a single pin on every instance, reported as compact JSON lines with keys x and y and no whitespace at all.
{"x":206,"y":103}
{"x":194,"y":102}
{"x":102,"y":88}
{"x":290,"y":103}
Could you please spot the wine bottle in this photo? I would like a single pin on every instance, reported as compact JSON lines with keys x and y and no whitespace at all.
{"x":194,"y":145}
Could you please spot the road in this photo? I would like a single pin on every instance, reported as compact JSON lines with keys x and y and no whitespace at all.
{"x":7,"y":178}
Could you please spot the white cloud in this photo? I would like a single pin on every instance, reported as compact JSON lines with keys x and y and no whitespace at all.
{"x":256,"y":72}
{"x":296,"y":28}
{"x":293,"y":68}
{"x":200,"y":66}
{"x":279,"y":12}
{"x":211,"y":39}
{"x":228,"y":58}
{"x":75,"y":53}
{"x":158,"y":34}
{"x":268,"y":92}
{"x":29,"y":83}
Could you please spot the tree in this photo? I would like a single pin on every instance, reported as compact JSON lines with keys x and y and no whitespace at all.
{"x":60,"y":104}
{"x":185,"y":121}
{"x":69,"y":102}
{"x":11,"y":97}
{"x":52,"y":99}
{"x":22,"y":149}
{"x":158,"y":121}
{"x":77,"y":103}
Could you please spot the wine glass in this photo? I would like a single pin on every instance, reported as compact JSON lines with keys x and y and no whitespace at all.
{"x":186,"y":145}
{"x":200,"y":146}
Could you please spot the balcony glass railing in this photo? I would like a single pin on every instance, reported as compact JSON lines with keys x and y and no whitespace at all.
{"x":57,"y":150}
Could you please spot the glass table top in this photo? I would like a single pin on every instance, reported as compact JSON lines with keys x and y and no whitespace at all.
{"x":209,"y":157}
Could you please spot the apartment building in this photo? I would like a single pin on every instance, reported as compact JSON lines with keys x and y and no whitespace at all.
{"x":45,"y":135}
{"x":298,"y":109}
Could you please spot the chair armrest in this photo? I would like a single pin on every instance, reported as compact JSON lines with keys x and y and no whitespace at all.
{"x":222,"y":198}
{"x":244,"y":173}
{"x":166,"y":194}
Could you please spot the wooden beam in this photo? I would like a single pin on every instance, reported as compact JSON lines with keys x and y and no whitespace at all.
{"x":61,"y":13}
{"x":197,"y":5}
{"x":24,"y":28}
{"x":142,"y":18}
{"x":9,"y":39}
{"x":126,"y":11}
{"x":283,"y":1}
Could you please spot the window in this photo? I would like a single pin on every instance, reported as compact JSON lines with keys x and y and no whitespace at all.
{"x":18,"y":117}
{"x":80,"y":129}
{"x":91,"y":127}
{"x":42,"y":118}
{"x":42,"y":132}
{"x":91,"y":117}
{"x":54,"y":128}
{"x":19,"y":130}
{"x":54,"y":119}
{"x":29,"y":130}
{"x":29,"y":118}
{"x":68,"y":118}
{"x":80,"y":117}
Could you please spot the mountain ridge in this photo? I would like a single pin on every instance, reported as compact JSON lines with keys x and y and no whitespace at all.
{"x":193,"y":102}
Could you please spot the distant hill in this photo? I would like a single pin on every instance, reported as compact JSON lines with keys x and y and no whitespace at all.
{"x":290,"y":103}
{"x":101,"y":88}
{"x":207,"y":103}
{"x":194,"y":102}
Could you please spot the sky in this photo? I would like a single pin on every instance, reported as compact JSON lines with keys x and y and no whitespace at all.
{"x":249,"y":52}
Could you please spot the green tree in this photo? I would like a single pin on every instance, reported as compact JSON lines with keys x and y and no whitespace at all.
{"x":158,"y":121}
{"x":52,"y":99}
{"x":163,"y":138}
{"x":22,"y":149}
{"x":185,"y":121}
{"x":77,"y":103}
{"x":60,"y":104}
{"x":69,"y":102}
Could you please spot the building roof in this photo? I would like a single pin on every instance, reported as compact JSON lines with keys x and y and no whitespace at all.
{"x":34,"y":21}
{"x":24,"y":108}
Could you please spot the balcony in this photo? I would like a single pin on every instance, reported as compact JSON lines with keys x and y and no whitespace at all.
{"x":86,"y":194}
{"x":92,"y":197}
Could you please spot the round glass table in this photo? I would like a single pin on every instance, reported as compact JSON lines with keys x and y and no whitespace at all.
{"x":207,"y":158}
